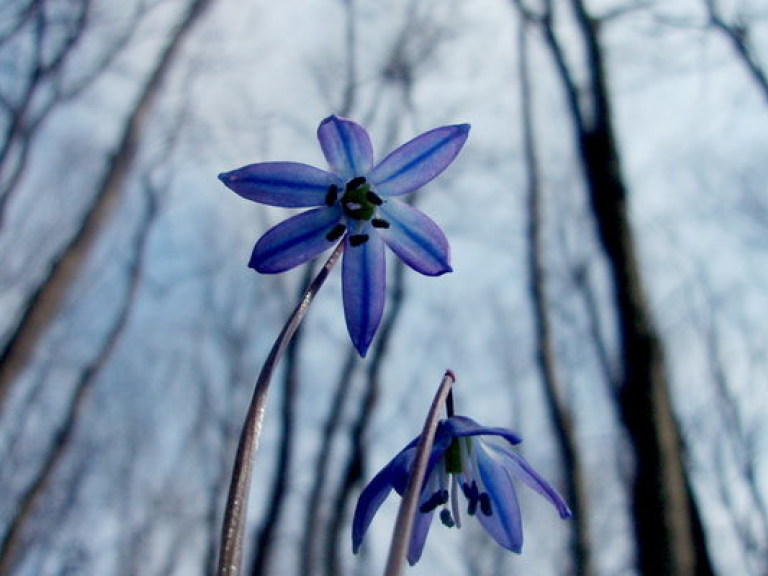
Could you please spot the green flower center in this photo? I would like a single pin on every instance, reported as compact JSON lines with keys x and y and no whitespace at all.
{"x":453,"y":458}
{"x":359,"y":202}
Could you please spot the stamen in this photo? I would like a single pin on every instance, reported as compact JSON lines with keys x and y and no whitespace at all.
{"x":446,"y":519}
{"x":455,"y":500}
{"x":374,"y":198}
{"x":437,"y":499}
{"x":358,"y":239}
{"x":485,"y":504}
{"x":472,"y":494}
{"x":379,"y":223}
{"x":335,"y":233}
{"x":356,"y":182}
{"x":332,"y":195}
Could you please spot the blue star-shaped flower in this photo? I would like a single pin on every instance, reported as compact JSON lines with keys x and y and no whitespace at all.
{"x":466,"y":457}
{"x":357,"y":203}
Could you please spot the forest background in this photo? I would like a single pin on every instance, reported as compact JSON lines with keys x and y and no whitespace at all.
{"x":609,"y":228}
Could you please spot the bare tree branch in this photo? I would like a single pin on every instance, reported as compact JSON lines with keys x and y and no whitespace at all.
{"x":61,"y":444}
{"x":44,"y":304}
{"x":739,"y":35}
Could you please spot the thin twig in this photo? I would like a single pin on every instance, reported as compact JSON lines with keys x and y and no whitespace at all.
{"x":401,"y":534}
{"x":232,"y":533}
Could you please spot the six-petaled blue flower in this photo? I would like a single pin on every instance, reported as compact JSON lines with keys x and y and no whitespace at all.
{"x":356,"y":203}
{"x":477,"y":461}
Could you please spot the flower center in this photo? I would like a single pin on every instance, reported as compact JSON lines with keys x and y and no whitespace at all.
{"x":453,"y":458}
{"x":359,"y":202}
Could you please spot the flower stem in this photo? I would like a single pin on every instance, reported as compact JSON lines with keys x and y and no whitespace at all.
{"x":233,"y":528}
{"x":401,"y":535}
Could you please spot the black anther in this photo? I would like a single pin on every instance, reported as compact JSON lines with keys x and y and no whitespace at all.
{"x":485,"y":504}
{"x":374,"y":198}
{"x":356,"y":182}
{"x":331,"y":195}
{"x":335,"y":233}
{"x":446,"y":518}
{"x":379,"y":223}
{"x":473,"y":496}
{"x":437,"y":499}
{"x":358,"y":239}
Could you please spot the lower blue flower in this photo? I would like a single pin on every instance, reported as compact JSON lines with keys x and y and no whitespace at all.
{"x":468,"y":460}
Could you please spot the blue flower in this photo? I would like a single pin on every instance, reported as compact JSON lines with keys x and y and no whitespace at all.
{"x":475,"y":460}
{"x":356,"y":203}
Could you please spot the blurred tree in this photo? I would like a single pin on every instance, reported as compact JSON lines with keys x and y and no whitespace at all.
{"x":546,"y":355}
{"x":13,"y":538}
{"x":43,"y":304}
{"x":739,"y":35}
{"x":669,"y":536}
{"x":39,"y":44}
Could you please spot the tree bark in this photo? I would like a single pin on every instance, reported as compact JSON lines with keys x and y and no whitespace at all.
{"x":668,"y":533}
{"x":559,"y":414}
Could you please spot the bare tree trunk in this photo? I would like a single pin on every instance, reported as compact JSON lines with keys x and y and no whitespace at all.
{"x":44,"y":304}
{"x":13,"y":538}
{"x":559,"y":413}
{"x":667,"y":529}
{"x":661,"y":506}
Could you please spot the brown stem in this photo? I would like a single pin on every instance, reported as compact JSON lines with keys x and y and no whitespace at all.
{"x":401,"y":535}
{"x":278,"y":491}
{"x":233,"y":529}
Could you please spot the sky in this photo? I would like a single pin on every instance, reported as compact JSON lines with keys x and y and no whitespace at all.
{"x":252,"y":84}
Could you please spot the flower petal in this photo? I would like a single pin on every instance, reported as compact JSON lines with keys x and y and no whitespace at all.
{"x":459,"y":426}
{"x":400,"y":465}
{"x":363,"y":283}
{"x":287,"y":184}
{"x":522,"y":470}
{"x":504,"y":524}
{"x":346,"y":146}
{"x":415,"y":238}
{"x":419,"y":533}
{"x":393,"y":476}
{"x":371,"y":498}
{"x":417,"y":162}
{"x":294,"y":241}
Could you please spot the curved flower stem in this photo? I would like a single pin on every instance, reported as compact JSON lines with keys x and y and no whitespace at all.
{"x":401,"y":534}
{"x":233,"y":528}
